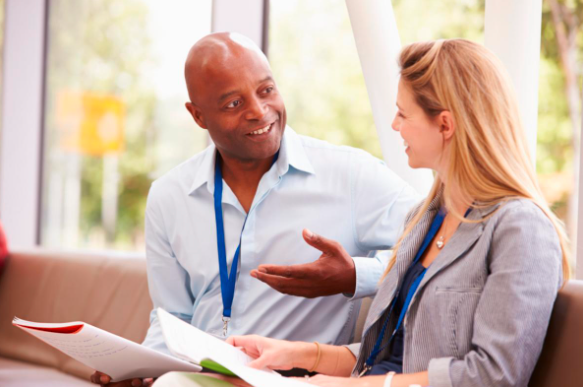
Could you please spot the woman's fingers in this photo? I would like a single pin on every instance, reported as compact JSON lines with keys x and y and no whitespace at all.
{"x":259,"y":363}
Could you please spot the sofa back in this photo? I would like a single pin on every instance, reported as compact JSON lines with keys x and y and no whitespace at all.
{"x":107,"y":290}
{"x":561,"y":360}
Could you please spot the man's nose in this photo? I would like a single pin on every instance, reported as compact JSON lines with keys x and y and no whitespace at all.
{"x":256,"y":109}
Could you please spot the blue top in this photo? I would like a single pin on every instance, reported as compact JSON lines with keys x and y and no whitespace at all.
{"x":394,"y":360}
{"x":400,"y":306}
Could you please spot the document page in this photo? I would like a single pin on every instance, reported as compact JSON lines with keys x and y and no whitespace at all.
{"x":188,"y":342}
{"x":103,"y":351}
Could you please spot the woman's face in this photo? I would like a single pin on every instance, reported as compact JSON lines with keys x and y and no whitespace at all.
{"x":422,"y":135}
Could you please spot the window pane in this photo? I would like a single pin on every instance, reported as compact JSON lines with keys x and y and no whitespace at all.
{"x":317,"y":69}
{"x":316,"y":65}
{"x":115,"y":117}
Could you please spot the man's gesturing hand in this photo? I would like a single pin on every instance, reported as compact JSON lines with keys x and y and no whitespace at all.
{"x":332,"y":273}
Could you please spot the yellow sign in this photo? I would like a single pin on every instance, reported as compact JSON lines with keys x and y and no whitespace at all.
{"x":90,"y":123}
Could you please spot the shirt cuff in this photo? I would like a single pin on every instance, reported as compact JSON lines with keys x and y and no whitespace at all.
{"x":439,"y":372}
{"x":368,"y":273}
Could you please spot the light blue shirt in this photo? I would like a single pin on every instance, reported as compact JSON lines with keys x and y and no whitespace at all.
{"x":338,"y":192}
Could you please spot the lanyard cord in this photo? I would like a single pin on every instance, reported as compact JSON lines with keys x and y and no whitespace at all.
{"x":228,"y":281}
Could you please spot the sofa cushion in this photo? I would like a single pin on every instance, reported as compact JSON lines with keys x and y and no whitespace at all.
{"x":15,"y":373}
{"x":107,"y":290}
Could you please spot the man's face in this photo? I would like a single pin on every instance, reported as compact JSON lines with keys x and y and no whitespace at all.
{"x":237,"y":100}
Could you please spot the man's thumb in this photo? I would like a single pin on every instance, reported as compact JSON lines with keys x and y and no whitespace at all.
{"x":317,"y":241}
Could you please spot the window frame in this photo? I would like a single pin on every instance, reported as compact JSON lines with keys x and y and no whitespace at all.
{"x":24,"y":75}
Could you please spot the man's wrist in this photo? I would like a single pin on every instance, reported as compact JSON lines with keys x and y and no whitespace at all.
{"x":350,"y":279}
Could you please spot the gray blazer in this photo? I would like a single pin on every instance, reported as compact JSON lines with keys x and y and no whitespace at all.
{"x":480,"y":315}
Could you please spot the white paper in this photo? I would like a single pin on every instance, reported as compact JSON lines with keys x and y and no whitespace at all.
{"x":103,"y":351}
{"x":260,"y":378}
{"x":188,"y":342}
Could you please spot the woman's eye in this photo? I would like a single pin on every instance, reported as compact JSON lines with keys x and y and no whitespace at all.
{"x":269,"y":90}
{"x":234,"y":104}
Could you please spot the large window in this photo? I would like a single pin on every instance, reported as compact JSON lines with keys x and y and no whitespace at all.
{"x":316,"y":65}
{"x":114,"y":104}
{"x":114,"y":114}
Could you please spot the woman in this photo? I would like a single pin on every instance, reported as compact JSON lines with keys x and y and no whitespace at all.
{"x":467,"y":296}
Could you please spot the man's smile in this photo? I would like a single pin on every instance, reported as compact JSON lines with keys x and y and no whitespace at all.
{"x":261,"y":132}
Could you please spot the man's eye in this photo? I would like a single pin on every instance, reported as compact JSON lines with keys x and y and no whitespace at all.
{"x":234,"y":104}
{"x":269,"y":89}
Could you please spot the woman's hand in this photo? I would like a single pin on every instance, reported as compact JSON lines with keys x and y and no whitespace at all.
{"x":275,"y":354}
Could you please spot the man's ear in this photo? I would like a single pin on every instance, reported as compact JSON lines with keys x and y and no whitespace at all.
{"x":196,"y":113}
{"x":446,"y":124}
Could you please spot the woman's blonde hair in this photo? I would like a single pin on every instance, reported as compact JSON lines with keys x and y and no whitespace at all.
{"x":489,"y":161}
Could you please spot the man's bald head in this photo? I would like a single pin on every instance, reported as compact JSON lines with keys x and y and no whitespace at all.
{"x":233,"y":95}
{"x":216,"y":53}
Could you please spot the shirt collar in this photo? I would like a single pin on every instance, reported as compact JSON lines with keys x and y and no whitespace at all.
{"x":291,"y":153}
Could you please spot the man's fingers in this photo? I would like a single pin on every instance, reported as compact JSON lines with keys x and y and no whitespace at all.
{"x":292,"y":286}
{"x":325,"y":245}
{"x":127,"y":383}
{"x":100,"y":378}
{"x":105,"y":380}
{"x":302,"y":271}
{"x":275,"y":281}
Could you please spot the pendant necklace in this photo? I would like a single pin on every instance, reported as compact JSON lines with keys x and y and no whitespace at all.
{"x":441,"y":241}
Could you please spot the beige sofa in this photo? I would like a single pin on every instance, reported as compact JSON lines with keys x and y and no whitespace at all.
{"x":109,"y":291}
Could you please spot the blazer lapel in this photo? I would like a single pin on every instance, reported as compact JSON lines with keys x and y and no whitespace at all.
{"x":405,"y":256}
{"x":461,"y":241}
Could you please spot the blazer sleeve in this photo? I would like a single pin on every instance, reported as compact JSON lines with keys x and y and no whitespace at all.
{"x":512,"y":316}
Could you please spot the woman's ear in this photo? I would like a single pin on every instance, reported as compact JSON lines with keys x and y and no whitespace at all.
{"x":446,"y":124}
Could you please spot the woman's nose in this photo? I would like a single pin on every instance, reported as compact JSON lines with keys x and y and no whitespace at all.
{"x":394,"y":124}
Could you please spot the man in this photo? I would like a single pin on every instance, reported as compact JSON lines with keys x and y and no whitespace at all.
{"x":274,"y":184}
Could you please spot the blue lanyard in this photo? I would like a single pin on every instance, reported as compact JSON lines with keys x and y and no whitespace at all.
{"x":437,"y":221}
{"x":228,"y":281}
